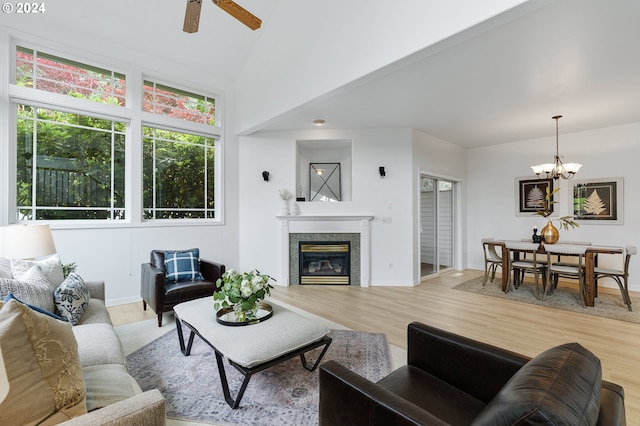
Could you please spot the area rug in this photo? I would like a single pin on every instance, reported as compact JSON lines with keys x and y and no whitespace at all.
{"x":607,"y":305}
{"x":286,"y":394}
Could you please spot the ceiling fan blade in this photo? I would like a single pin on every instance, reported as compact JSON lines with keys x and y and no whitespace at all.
{"x":240,"y":13}
{"x":192,"y":16}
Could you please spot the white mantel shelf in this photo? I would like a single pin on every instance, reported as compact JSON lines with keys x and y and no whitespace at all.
{"x":324,"y":217}
{"x":320,"y":223}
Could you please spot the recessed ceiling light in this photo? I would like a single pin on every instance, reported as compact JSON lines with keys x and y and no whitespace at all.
{"x":319,"y":122}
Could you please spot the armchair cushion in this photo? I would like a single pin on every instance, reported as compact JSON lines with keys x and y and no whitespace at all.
{"x":560,"y":386}
{"x":182,"y":265}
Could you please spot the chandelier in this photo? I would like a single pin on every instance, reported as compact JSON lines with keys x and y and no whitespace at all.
{"x":557,"y":169}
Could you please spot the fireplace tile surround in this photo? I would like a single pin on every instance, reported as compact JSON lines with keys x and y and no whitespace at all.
{"x":352,"y":228}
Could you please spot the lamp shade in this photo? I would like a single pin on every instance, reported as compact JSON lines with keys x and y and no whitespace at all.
{"x":28,"y":241}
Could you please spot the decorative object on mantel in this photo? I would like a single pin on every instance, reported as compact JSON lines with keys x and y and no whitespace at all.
{"x":557,"y":169}
{"x":285,"y":194}
{"x":295,"y":209}
{"x":242,"y":292}
{"x":549,"y":233}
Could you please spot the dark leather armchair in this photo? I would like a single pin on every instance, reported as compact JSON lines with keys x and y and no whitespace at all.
{"x":453,"y":380}
{"x":162,"y":296}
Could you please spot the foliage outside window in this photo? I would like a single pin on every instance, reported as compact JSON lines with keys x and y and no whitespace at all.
{"x":178,"y":175}
{"x":69,"y":166}
{"x":51,"y":73}
{"x":172,"y":102}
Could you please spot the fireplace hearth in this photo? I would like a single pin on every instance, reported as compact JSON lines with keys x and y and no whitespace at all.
{"x":324,"y":262}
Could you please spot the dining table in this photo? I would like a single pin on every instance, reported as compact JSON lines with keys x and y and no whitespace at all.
{"x":590,"y":261}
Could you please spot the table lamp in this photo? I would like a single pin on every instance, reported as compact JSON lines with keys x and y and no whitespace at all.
{"x":28,"y":241}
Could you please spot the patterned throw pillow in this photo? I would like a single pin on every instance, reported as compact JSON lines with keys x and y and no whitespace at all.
{"x":33,"y":288}
{"x":51,"y":267}
{"x":10,"y":297}
{"x":43,"y":367}
{"x":71,"y":298}
{"x":182,"y":265}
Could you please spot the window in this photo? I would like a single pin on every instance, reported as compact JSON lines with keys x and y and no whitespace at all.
{"x":69,"y":166}
{"x":172,"y":102}
{"x":74,"y":130}
{"x":178,"y":175}
{"x":51,"y":73}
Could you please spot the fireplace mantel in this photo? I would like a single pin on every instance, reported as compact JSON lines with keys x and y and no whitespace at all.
{"x":327,"y":224}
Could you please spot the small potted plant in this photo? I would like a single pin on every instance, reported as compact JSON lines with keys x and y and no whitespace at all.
{"x":242,"y":291}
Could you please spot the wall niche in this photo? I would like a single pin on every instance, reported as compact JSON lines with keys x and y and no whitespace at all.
{"x":323,"y":170}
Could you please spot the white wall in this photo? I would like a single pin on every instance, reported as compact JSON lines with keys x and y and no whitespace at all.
{"x":604,"y":153}
{"x":389,"y":197}
{"x":337,"y":42}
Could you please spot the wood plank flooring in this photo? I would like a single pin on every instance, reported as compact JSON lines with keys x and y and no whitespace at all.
{"x":522,"y":328}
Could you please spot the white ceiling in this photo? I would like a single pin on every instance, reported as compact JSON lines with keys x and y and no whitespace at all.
{"x":486,"y":86}
{"x":489,"y":85}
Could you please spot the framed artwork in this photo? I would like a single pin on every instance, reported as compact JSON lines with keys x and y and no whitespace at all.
{"x":598,"y":200}
{"x":529,"y":193}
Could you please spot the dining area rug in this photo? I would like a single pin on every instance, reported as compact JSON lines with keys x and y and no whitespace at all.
{"x":285,"y":394}
{"x":608,"y":304}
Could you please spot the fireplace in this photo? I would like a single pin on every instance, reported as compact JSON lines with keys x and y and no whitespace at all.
{"x":324,"y":262}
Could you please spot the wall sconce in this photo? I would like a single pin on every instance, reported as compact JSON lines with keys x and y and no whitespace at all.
{"x":265,"y":176}
{"x":381,"y":171}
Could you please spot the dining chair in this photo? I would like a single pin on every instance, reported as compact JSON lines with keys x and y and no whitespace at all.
{"x":621,"y":277}
{"x":571,"y":270}
{"x":518,"y":267}
{"x":492,"y":260}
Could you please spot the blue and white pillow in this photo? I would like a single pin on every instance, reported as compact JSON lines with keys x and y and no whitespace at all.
{"x":71,"y":298}
{"x":182,"y":265}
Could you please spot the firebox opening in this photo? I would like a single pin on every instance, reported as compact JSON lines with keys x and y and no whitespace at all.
{"x":325,"y":262}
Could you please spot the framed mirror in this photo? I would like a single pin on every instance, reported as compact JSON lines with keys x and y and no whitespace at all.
{"x":324,"y":182}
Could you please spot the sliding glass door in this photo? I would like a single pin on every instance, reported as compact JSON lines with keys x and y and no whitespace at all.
{"x":437,"y":209}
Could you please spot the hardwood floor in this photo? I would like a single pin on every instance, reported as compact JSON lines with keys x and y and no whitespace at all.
{"x":522,"y":328}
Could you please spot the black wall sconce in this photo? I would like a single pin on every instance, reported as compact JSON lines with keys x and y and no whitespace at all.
{"x":265,"y":176}
{"x":381,"y":171}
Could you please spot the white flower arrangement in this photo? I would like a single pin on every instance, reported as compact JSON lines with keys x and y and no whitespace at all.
{"x":242,"y":291}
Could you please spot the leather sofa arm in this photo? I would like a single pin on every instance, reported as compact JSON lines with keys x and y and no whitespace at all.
{"x":211,"y":271}
{"x":348,"y":399}
{"x":476,"y":368}
{"x":612,"y":411}
{"x":152,"y":286}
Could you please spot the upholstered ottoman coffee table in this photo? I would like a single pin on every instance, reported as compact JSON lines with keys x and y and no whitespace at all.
{"x":251,"y":348}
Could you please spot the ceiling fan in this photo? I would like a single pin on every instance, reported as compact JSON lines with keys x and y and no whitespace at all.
{"x":192,"y":16}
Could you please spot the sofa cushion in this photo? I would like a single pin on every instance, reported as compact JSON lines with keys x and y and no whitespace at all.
{"x":71,"y":298}
{"x":32,"y":287}
{"x":182,"y":265}
{"x":10,"y":296}
{"x":561,"y":386}
{"x":51,"y":267}
{"x":107,"y":384}
{"x":98,"y":344}
{"x":41,"y":360}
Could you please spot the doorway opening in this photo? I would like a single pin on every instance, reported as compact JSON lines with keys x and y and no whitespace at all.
{"x":437,"y":213}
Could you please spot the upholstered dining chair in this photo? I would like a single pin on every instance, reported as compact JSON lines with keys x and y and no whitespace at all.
{"x":559,"y":268}
{"x":518,"y":267}
{"x":621,"y":277}
{"x":175,"y":276}
{"x":492,"y":260}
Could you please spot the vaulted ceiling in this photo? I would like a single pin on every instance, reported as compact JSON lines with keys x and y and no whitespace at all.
{"x":491,"y":84}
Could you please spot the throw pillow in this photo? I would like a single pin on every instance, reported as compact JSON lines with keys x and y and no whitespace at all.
{"x":5,"y":268}
{"x":71,"y":298}
{"x":10,"y":296}
{"x":561,"y":386}
{"x":43,"y":368}
{"x":182,"y":265}
{"x":33,"y":288}
{"x":51,"y":266}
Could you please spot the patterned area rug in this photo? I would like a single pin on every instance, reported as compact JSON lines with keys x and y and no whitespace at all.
{"x":607,"y":305}
{"x":286,"y":394}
